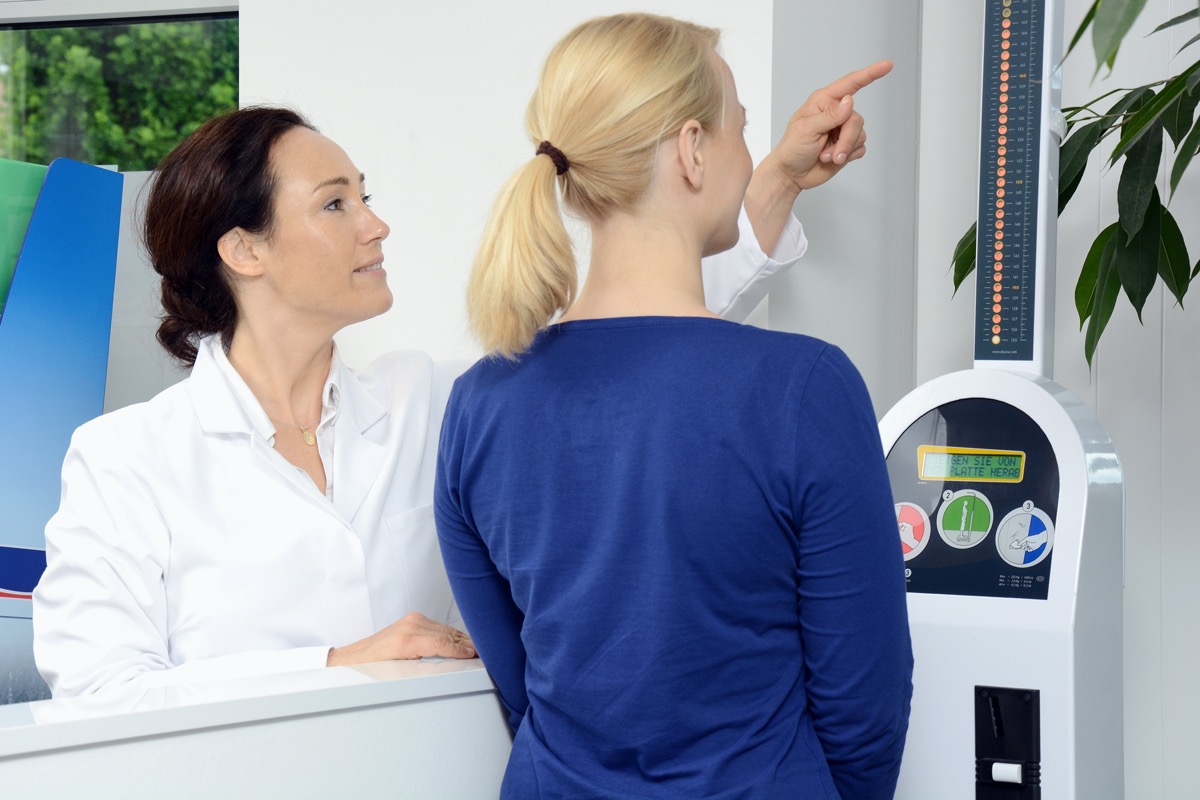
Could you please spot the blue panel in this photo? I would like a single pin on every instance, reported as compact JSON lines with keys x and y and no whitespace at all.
{"x":53,"y":351}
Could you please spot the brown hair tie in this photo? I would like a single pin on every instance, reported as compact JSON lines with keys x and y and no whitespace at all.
{"x":561,"y":165}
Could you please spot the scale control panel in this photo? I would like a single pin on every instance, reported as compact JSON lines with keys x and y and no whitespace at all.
{"x":976,"y":484}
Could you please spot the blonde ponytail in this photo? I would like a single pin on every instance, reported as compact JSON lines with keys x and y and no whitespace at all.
{"x":610,"y":92}
{"x":524,"y":272}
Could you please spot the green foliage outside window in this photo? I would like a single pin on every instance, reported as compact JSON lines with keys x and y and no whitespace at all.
{"x":123,"y":95}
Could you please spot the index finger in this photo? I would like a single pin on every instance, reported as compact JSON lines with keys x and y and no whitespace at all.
{"x":860,"y":78}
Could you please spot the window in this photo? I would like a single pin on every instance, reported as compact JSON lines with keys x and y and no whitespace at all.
{"x":120,"y":94}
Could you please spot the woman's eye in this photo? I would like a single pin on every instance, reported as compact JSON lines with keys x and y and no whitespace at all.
{"x":366,"y":198}
{"x":334,"y":205}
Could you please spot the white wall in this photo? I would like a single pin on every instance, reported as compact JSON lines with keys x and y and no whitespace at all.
{"x":429,"y":100}
{"x":855,"y":285}
{"x":1144,"y":382}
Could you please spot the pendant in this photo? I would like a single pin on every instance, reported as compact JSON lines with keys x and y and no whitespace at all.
{"x":309,"y":438}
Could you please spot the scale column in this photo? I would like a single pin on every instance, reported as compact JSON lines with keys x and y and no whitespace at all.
{"x":1018,"y":186}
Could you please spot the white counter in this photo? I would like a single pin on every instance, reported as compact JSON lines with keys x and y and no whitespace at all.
{"x":423,"y":729}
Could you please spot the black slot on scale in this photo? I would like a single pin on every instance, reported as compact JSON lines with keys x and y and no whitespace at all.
{"x":1009,"y":495}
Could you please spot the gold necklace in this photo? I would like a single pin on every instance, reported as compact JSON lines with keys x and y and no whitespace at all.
{"x":306,"y":431}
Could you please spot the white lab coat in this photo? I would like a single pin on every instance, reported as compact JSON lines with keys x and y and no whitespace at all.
{"x":186,"y":548}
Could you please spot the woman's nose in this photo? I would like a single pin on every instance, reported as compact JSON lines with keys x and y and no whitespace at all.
{"x":375,"y":227}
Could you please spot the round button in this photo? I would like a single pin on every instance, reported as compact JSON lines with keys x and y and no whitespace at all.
{"x":965,"y":519}
{"x":913,"y":524}
{"x":1025,"y":536}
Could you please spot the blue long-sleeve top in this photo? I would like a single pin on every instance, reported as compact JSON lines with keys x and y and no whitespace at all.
{"x":674,"y":544}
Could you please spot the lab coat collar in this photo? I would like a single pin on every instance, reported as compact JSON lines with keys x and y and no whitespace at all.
{"x":358,"y":441}
{"x":356,"y":403}
{"x":224,"y":404}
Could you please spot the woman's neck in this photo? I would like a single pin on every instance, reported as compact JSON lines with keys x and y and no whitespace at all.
{"x":641,"y":265}
{"x":286,"y":373}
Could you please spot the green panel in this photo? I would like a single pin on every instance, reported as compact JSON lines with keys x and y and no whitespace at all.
{"x":21,"y":184}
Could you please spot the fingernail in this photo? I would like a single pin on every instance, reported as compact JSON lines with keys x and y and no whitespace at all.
{"x":826,"y":157}
{"x":841,"y":159}
{"x":846,"y":100}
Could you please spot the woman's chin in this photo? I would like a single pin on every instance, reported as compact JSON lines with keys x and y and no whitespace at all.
{"x":719,"y":244}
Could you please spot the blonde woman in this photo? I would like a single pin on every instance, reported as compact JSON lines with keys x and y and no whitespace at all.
{"x":671,"y":536}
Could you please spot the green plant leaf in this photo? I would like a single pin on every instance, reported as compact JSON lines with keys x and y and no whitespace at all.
{"x":1173,"y":258}
{"x":1137,"y":124}
{"x":1189,"y":43}
{"x":1113,"y":20}
{"x":1067,"y":190}
{"x":1178,"y":117}
{"x":964,"y":257}
{"x":1104,"y":300}
{"x":1184,"y":155}
{"x":1136,"y":187}
{"x":1137,"y":259}
{"x":1184,"y":17}
{"x":1070,"y":112}
{"x":1073,"y":156}
{"x":1074,"y":152}
{"x":1085,"y":287}
{"x":1195,"y":270}
{"x":1087,"y":20}
{"x":1131,"y":103}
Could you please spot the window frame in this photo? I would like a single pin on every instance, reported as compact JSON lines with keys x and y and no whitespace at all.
{"x":22,"y":12}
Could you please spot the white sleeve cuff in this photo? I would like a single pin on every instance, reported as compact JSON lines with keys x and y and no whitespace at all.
{"x":736,"y":281}
{"x":792,"y":242}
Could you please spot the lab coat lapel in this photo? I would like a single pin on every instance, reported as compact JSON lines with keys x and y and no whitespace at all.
{"x":358,"y":448}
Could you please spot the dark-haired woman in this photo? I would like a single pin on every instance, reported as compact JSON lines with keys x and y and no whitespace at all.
{"x":269,"y":513}
{"x":273,"y":511}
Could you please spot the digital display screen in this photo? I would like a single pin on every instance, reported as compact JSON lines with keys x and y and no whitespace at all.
{"x":970,"y":464}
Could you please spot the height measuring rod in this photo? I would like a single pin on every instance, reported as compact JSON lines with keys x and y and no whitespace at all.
{"x":1020,"y":131}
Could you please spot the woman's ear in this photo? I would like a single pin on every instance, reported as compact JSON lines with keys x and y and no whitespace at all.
{"x":690,"y":144}
{"x":240,"y":251}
